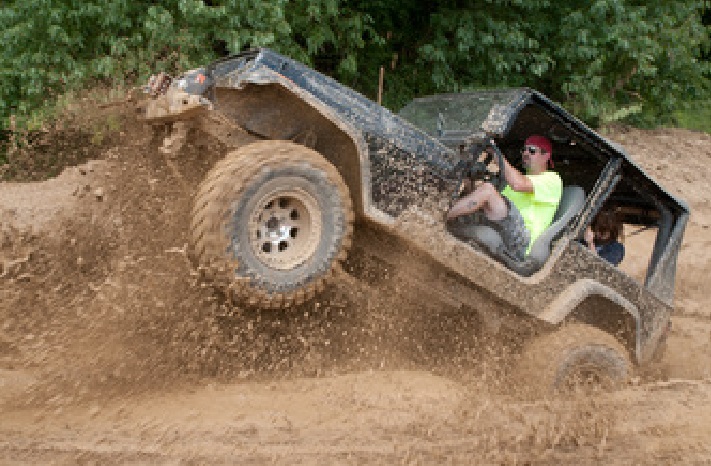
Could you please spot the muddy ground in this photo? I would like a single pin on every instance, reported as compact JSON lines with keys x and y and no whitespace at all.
{"x":113,"y":351}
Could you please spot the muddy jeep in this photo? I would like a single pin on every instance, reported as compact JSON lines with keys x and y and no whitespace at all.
{"x":310,"y":159}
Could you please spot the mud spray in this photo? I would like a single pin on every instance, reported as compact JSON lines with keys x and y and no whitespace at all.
{"x":113,"y":350}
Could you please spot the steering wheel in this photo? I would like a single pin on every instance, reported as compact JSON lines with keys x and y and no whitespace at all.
{"x":477,"y":169}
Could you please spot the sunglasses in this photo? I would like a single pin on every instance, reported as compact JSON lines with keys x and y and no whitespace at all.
{"x":532,"y":149}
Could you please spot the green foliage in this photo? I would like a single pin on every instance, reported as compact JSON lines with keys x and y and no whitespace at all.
{"x":695,"y":117}
{"x":606,"y":60}
{"x":51,"y":47}
{"x":59,"y":45}
{"x":102,"y":127}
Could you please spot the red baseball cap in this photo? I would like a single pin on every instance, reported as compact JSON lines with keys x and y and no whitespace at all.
{"x":542,"y":143}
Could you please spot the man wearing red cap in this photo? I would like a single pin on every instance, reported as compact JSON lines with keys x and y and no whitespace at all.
{"x":525,"y":208}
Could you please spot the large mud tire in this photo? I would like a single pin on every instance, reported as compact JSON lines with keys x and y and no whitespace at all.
{"x":573,"y":358}
{"x":277,"y":217}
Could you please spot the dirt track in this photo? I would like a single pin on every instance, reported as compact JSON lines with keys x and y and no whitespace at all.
{"x":111,"y":351}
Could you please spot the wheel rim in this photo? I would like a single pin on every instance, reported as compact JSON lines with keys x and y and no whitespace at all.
{"x":285,"y":228}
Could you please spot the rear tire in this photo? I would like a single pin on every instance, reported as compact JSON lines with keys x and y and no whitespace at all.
{"x":276,"y":218}
{"x":573,"y":358}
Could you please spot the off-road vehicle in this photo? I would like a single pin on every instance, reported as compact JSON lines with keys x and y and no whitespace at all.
{"x":310,"y":158}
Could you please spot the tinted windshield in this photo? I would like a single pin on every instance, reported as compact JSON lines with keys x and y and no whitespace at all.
{"x":457,"y":112}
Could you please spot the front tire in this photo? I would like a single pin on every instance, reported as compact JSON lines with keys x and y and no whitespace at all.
{"x":278,"y":217}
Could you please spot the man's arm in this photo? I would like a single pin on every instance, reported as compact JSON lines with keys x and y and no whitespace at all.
{"x":517,"y":180}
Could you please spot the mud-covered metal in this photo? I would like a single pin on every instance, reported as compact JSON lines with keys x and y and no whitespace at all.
{"x":402,"y":179}
{"x":402,"y":166}
{"x":408,"y":179}
{"x":175,"y":104}
{"x":371,"y":120}
{"x":571,"y":266}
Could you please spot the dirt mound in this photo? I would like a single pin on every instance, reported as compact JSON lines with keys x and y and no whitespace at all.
{"x":104,"y":322}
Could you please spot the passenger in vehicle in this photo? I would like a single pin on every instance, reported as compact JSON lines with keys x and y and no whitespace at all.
{"x":602,"y":237}
{"x":526,"y":207}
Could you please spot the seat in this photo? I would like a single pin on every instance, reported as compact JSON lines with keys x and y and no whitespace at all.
{"x":571,"y":203}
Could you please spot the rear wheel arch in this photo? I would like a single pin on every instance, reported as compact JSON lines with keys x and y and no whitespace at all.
{"x":590,"y":302}
{"x":609,"y":316}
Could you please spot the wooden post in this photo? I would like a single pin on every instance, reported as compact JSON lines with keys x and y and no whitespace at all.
{"x":380,"y":85}
{"x":12,"y":147}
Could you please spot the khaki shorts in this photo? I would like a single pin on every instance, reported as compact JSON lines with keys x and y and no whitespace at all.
{"x":511,"y":228}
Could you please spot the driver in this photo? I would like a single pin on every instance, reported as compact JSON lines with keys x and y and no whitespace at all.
{"x":525,"y":208}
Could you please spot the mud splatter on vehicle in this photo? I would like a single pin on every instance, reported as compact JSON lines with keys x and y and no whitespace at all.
{"x":310,"y":156}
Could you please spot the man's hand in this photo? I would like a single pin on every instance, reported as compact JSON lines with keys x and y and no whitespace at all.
{"x":490,"y":150}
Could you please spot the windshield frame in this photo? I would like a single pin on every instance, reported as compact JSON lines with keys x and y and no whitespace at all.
{"x":445,"y":115}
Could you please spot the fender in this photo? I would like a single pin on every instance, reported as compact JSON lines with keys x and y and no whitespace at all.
{"x":263,"y":75}
{"x":577,"y":292}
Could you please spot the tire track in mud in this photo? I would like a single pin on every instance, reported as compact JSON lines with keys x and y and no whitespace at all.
{"x":435,"y":421}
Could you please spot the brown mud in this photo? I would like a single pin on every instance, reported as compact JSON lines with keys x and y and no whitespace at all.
{"x":112,"y":350}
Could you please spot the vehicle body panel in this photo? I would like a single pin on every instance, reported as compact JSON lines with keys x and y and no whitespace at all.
{"x":407,"y":175}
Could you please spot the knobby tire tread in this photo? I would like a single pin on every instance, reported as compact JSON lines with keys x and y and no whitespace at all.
{"x":228,"y":180}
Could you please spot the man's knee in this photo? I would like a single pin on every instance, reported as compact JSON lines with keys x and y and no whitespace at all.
{"x":487,"y":189}
{"x":496,"y":207}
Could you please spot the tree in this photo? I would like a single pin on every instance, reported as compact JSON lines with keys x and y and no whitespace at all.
{"x":604,"y":59}
{"x":58,"y":45}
